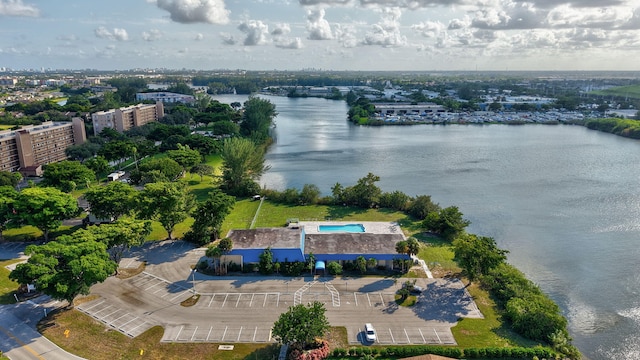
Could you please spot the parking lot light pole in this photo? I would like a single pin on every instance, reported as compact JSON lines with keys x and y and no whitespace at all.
{"x":193,"y":280}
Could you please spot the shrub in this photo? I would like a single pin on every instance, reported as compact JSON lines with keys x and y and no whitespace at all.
{"x":334,"y":268}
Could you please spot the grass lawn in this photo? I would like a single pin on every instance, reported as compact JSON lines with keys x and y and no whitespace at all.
{"x":108,"y":344}
{"x":487,"y":332}
{"x":31,"y":233}
{"x":438,"y":255}
{"x":7,"y":287}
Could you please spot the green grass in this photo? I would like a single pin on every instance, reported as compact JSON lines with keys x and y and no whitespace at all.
{"x":31,"y":233}
{"x":5,"y":127}
{"x":631,"y":91}
{"x":241,"y":216}
{"x":109,"y":344}
{"x":437,"y":253}
{"x":7,"y":287}
{"x":487,"y":332}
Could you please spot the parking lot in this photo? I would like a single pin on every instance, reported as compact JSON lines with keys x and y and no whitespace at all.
{"x":243,"y":308}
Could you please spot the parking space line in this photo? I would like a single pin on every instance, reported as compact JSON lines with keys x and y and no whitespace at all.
{"x":99,"y":311}
{"x":209,"y":334}
{"x":368,"y":298}
{"x":112,"y":313}
{"x":225,"y":300}
{"x":434,"y":330}
{"x":237,"y":301}
{"x":239,"y":333}
{"x":392,"y":338}
{"x":180,"y":294}
{"x":123,"y":325}
{"x":194,"y":333}
{"x":224,"y":333}
{"x":407,"y":335}
{"x":251,"y":301}
{"x":94,"y":305}
{"x":423,"y":339}
{"x":254,"y":334}
{"x":125,"y":314}
{"x":179,"y":331}
{"x":210,"y":301}
{"x":355,"y":297}
{"x":156,"y":284}
{"x":381,"y":298}
{"x":278,"y":300}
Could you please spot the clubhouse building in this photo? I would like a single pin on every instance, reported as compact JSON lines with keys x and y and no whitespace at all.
{"x":327,"y":241}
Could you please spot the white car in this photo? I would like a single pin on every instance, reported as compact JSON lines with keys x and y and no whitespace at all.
{"x":369,"y":332}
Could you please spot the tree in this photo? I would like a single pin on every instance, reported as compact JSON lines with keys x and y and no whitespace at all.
{"x":98,"y":165}
{"x":243,"y":163}
{"x":116,"y":150}
{"x":156,"y":170}
{"x":121,"y":235}
{"x":7,"y":196}
{"x":225,"y":245}
{"x":185,"y":156}
{"x":202,"y":170}
{"x":365,"y":193}
{"x":265,"y":262}
{"x":168,"y":203}
{"x":10,"y":178}
{"x":301,"y":324}
{"x":83,"y":151}
{"x":309,"y":194}
{"x":112,"y":200}
{"x":257,"y":118}
{"x":44,"y":208}
{"x":361,"y":264}
{"x":477,"y":255}
{"x":413,"y":246}
{"x":65,"y":268}
{"x":334,"y":268}
{"x":401,"y":248}
{"x":209,"y":216}
{"x":66,"y":175}
{"x":421,"y":206}
{"x":448,"y":223}
{"x":215,"y":253}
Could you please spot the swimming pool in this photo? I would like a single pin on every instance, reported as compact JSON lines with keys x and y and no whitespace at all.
{"x":350,"y":228}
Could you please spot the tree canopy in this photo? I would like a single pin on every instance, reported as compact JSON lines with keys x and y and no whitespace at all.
{"x":301,"y":324}
{"x":10,"y":178}
{"x":67,"y":267}
{"x":168,"y":203}
{"x":243,"y":163}
{"x":477,"y":254}
{"x":112,"y":200}
{"x":257,"y":118}
{"x":209,"y":216}
{"x":7,"y":197}
{"x":185,"y":156}
{"x":121,"y":235}
{"x":44,"y":208}
{"x":447,"y":222}
{"x":67,"y":175}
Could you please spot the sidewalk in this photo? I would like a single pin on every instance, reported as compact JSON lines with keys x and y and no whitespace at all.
{"x":19,"y":339}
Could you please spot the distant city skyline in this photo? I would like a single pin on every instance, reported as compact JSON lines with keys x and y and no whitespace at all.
{"x":411,"y":35}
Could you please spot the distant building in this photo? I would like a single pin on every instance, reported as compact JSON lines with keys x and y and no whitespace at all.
{"x":8,"y":81}
{"x":125,"y":118}
{"x":408,"y":109}
{"x":166,"y":97}
{"x":30,"y":147}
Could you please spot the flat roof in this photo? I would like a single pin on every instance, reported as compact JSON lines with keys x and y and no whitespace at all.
{"x":277,"y":238}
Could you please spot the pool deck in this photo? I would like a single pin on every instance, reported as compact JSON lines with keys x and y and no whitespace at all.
{"x":371,"y":227}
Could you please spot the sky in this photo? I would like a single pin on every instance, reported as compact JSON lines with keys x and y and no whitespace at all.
{"x":398,"y":35}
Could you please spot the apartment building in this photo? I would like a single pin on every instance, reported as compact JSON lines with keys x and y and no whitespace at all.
{"x":30,"y":147}
{"x":125,"y":118}
{"x":166,"y":97}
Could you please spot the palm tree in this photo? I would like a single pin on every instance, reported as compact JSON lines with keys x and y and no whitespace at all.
{"x":402,"y":247}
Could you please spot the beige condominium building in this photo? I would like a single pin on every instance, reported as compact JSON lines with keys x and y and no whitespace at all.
{"x":125,"y":118}
{"x":30,"y":147}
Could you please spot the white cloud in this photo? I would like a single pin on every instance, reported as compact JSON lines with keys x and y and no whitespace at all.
{"x":295,"y":43}
{"x":429,"y":29}
{"x":256,"y":32}
{"x":18,"y":8}
{"x":151,"y":35}
{"x":387,"y":32}
{"x":228,"y":39}
{"x":346,"y":35}
{"x":117,"y":34}
{"x":199,"y":37}
{"x":195,"y":11}
{"x":281,"y":29}
{"x":318,"y":26}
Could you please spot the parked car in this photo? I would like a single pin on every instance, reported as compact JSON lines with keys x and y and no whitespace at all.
{"x":369,"y":332}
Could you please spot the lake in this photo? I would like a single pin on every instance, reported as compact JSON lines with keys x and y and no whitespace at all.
{"x":564,"y":200}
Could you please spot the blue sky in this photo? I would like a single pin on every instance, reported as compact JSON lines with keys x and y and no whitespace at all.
{"x":322,"y":34}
